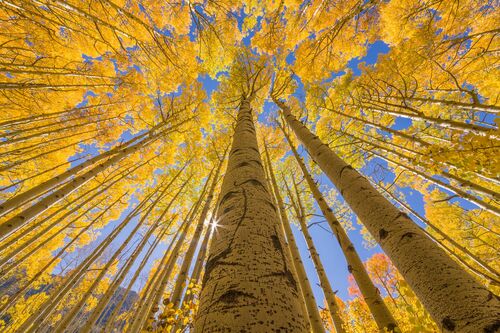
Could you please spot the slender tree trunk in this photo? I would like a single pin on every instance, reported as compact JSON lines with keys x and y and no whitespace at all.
{"x":180,"y":283}
{"x":24,"y":288}
{"x":154,"y":281}
{"x":490,"y":207}
{"x":325,"y":283}
{"x":110,"y":321}
{"x":447,"y":238}
{"x":32,"y":193}
{"x":248,"y":284}
{"x":480,"y":190}
{"x":461,"y":105}
{"x":152,"y":303}
{"x":300,"y":271}
{"x":383,"y":317}
{"x":70,"y":316}
{"x":453,"y":297}
{"x":104,"y":300}
{"x":444,"y":123}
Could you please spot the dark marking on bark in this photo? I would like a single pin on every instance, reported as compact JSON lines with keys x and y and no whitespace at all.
{"x":391,"y":327}
{"x":270,"y":204}
{"x":448,"y":324}
{"x":232,"y":296}
{"x":227,"y":210}
{"x":401,"y":214}
{"x":407,"y":234}
{"x":235,"y":151}
{"x":241,"y":165}
{"x":349,"y":268}
{"x":276,"y":243}
{"x":254,"y":149}
{"x":288,"y":275}
{"x":343,"y":168}
{"x":350,"y":248}
{"x":254,"y":182}
{"x":247,"y":163}
{"x":495,"y":327}
{"x":227,"y":196}
{"x":383,"y":234}
{"x":212,"y":263}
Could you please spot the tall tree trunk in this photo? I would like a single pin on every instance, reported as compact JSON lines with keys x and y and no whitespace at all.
{"x":371,"y":294}
{"x":248,"y":284}
{"x":29,"y":213}
{"x":180,"y":283}
{"x":104,"y":300}
{"x":454,"y":298}
{"x":300,"y":271}
{"x":323,"y":279}
{"x":70,"y":316}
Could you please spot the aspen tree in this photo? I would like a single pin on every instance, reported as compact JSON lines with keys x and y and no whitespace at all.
{"x":69,"y":317}
{"x":110,"y":320}
{"x":50,"y":304}
{"x":147,"y":315}
{"x":324,"y":282}
{"x":149,"y":293}
{"x":248,"y":282}
{"x":449,"y":293}
{"x":110,"y":292}
{"x":152,"y":303}
{"x":311,"y":306}
{"x":381,"y":313}
{"x":29,"y":213}
{"x":25,"y":287}
{"x":182,"y":278}
{"x":180,"y":282}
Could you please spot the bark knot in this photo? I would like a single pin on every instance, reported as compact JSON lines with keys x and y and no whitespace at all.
{"x":448,"y":324}
{"x":232,"y":296}
{"x":383,"y":234}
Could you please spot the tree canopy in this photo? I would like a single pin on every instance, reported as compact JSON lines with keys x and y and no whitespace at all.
{"x":120,"y":125}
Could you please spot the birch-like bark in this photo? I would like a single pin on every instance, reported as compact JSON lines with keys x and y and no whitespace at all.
{"x":248,"y":283}
{"x":34,"y":210}
{"x":456,"y":301}
{"x":180,"y":283}
{"x":311,"y":306}
{"x":70,"y":316}
{"x":34,"y":192}
{"x":50,"y":305}
{"x":333,"y":307}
